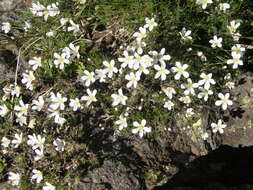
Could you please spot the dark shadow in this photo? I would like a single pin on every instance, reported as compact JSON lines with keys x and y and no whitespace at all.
{"x":227,"y":166}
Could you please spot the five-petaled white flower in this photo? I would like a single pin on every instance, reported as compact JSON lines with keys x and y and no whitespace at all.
{"x":119,"y":98}
{"x":14,"y":178}
{"x":204,"y":3}
{"x":122,"y":122}
{"x":150,"y":24}
{"x":189,"y":112}
{"x":141,"y":34}
{"x":37,"y":175}
{"x":74,"y":27}
{"x":206,"y":80}
{"x":75,"y":104}
{"x":189,"y":87}
{"x":160,"y":57}
{"x":218,"y":127}
{"x":233,"y":26}
{"x":224,"y":6}
{"x":38,"y":104}
{"x":127,"y":60}
{"x":180,"y":70}
{"x":168,"y":104}
{"x":140,"y":128}
{"x":57,"y":101}
{"x":133,"y":79}
{"x":205,"y":93}
{"x":110,"y":68}
{"x":59,"y":145}
{"x":185,"y":34}
{"x":35,"y":62}
{"x":88,"y":77}
{"x":61,"y":60}
{"x":18,"y":138}
{"x":161,"y":71}
{"x":36,"y":141}
{"x":169,"y":91}
{"x":27,"y":79}
{"x":21,"y":109}
{"x":90,"y":98}
{"x":224,"y":101}
{"x":236,"y":60}
{"x":216,"y":42}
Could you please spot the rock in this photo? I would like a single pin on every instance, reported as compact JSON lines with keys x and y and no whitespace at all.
{"x":111,"y":175}
{"x":240,"y":118}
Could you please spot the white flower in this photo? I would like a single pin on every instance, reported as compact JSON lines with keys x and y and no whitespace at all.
{"x":189,"y":87}
{"x":3,"y":110}
{"x":37,"y":9}
{"x":38,"y":104}
{"x":168,"y":104}
{"x":57,"y":101}
{"x":137,"y":61}
{"x":122,"y":122}
{"x":141,"y":34}
{"x":5,"y":142}
{"x":101,"y":75}
{"x":204,"y":136}
{"x":90,"y":98}
{"x":14,"y":178}
{"x":15,"y":90}
{"x":119,"y":98}
{"x":239,"y":49}
{"x":216,"y":42}
{"x":204,"y":3}
{"x":180,"y":70}
{"x":205,"y":93}
{"x":50,"y":33}
{"x":64,"y":21}
{"x":17,"y":140}
{"x":150,"y":24}
{"x":143,"y":67}
{"x":88,"y":77}
{"x":48,"y":186}
{"x":137,"y":45}
{"x":6,"y":27}
{"x":37,"y":175}
{"x":140,"y":128}
{"x":22,"y":120}
{"x":206,"y":80}
{"x":75,"y":104}
{"x":74,"y":27}
{"x":59,"y":144}
{"x":57,"y":118}
{"x":21,"y":109}
{"x":230,"y":85}
{"x":127,"y":60}
{"x":236,"y":60}
{"x":161,"y":71}
{"x":160,"y":57}
{"x":35,"y":62}
{"x":189,"y":112}
{"x":27,"y":79}
{"x":39,"y":154}
{"x":110,"y":68}
{"x":169,"y":91}
{"x":185,"y":34}
{"x":224,"y":6}
{"x":36,"y":141}
{"x":133,"y":80}
{"x":185,"y":99}
{"x":60,"y":60}
{"x":233,"y":27}
{"x":218,"y":127}
{"x":224,"y":101}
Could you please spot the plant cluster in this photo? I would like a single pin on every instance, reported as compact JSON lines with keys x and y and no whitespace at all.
{"x":142,"y":87}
